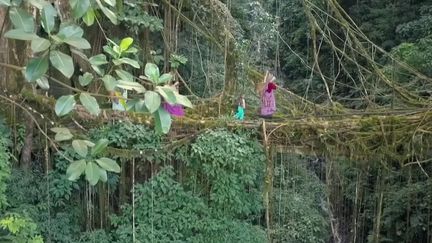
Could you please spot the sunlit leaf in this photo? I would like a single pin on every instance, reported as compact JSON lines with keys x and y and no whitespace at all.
{"x":40,"y":44}
{"x":75,"y":169}
{"x":79,"y":7}
{"x":78,"y":42}
{"x":90,"y":144}
{"x":165,"y":78}
{"x":5,"y":3}
{"x":20,"y":35}
{"x":183,"y":100}
{"x":80,"y":147}
{"x":85,"y":79}
{"x":89,"y":17}
{"x":90,"y":103}
{"x":48,"y":15}
{"x":140,"y":106}
{"x":64,"y":105}
{"x":99,"y":146}
{"x":108,"y":164}
{"x":109,"y":50}
{"x":92,"y":173}
{"x":125,"y":60}
{"x":102,"y":175}
{"x":97,"y":60}
{"x":162,"y":120}
{"x":62,"y":62}
{"x":36,"y":68}
{"x":125,"y":76}
{"x":110,"y":14}
{"x":111,"y":2}
{"x":125,"y":44}
{"x":131,"y":86}
{"x":131,"y":50}
{"x":21,"y":19}
{"x":152,"y":101}
{"x":152,"y":72}
{"x":168,"y":93}
{"x":69,"y":32}
{"x":109,"y":82}
{"x":43,"y":83}
{"x":62,"y":134}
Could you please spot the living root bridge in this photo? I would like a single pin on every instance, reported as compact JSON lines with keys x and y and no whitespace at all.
{"x":398,"y":135}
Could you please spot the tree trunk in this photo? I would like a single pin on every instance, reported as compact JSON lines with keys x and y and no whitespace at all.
{"x":230,"y":66}
{"x":167,"y":35}
{"x":26,"y":151}
{"x":12,"y":52}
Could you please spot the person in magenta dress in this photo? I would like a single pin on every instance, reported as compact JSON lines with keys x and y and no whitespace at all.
{"x":175,"y":109}
{"x":268,"y":101}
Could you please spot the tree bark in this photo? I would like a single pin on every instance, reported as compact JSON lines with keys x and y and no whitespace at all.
{"x":26,"y":152}
{"x":12,"y":52}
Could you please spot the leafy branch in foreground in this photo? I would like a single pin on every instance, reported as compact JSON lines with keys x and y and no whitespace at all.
{"x":111,"y":67}
{"x":91,"y":164}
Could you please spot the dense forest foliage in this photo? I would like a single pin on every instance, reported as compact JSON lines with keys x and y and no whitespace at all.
{"x":70,"y":171}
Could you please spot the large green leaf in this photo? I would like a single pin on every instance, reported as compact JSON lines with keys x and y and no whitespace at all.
{"x":90,"y":144}
{"x":62,"y":62}
{"x":168,"y":93}
{"x":125,"y":60}
{"x":140,"y":106}
{"x":62,"y":134}
{"x":110,"y":14}
{"x":131,"y":86}
{"x":108,"y":164}
{"x":152,"y":72}
{"x":125,"y":76}
{"x":162,"y":120}
{"x":5,"y":3}
{"x":80,"y":147}
{"x":165,"y":78}
{"x":99,"y":146}
{"x":125,"y":44}
{"x":102,"y":175}
{"x":20,"y":35}
{"x":99,"y":70}
{"x":21,"y":19}
{"x":152,"y":101}
{"x":90,"y":103}
{"x":75,"y":169}
{"x":64,"y":105}
{"x":97,"y":60}
{"x":36,"y":68}
{"x":40,"y":44}
{"x":78,"y":42}
{"x":48,"y":18}
{"x":43,"y":83}
{"x":89,"y":17}
{"x":69,"y":32}
{"x":183,"y":100}
{"x":79,"y":7}
{"x":109,"y":82}
{"x":92,"y":173}
{"x":85,"y":79}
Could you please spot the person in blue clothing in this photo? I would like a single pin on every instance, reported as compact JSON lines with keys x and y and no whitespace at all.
{"x":241,"y":108}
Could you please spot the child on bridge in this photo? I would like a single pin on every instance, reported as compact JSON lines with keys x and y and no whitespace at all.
{"x":241,"y":107}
